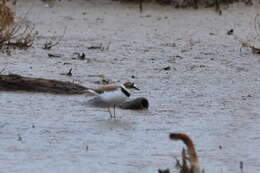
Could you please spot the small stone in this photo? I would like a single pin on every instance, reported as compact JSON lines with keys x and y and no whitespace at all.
{"x":19,"y":137}
{"x":230,"y":32}
{"x":167,"y":68}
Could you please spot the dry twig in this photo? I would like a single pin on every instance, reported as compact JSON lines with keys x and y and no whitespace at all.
{"x":254,"y":49}
{"x":2,"y":70}
{"x":54,"y":41}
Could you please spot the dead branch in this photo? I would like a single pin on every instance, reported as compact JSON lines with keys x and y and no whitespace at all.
{"x":2,"y":70}
{"x":190,"y":161}
{"x":54,"y":41}
{"x":141,"y":6}
{"x":254,"y":49}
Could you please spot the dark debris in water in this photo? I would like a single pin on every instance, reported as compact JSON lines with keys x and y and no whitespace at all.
{"x":103,"y":82}
{"x":52,"y":55}
{"x":241,"y":166}
{"x":167,"y":68}
{"x":230,"y":32}
{"x":164,"y":171}
{"x":255,"y":50}
{"x":99,"y":47}
{"x":80,"y":56}
{"x":68,"y":73}
{"x":54,"y":41}
{"x":19,"y":137}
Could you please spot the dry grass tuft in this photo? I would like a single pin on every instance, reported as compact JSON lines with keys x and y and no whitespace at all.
{"x":14,"y":35}
{"x":6,"y":16}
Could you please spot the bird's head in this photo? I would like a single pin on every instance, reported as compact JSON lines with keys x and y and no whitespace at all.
{"x":130,"y":85}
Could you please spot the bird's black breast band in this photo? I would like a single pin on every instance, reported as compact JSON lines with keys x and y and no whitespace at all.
{"x":125,"y":92}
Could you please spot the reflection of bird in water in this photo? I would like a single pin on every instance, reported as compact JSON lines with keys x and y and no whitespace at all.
{"x":49,"y":3}
{"x":113,"y":95}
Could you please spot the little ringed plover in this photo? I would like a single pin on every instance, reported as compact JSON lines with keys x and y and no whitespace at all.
{"x":113,"y":95}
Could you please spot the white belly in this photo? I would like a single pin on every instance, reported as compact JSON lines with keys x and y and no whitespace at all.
{"x":113,"y":97}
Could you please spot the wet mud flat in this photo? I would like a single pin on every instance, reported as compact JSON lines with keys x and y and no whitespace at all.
{"x":195,"y":76}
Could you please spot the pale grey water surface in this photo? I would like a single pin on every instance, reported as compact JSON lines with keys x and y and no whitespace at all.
{"x":212,"y":91}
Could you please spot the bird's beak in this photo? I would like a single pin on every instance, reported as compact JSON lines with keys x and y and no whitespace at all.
{"x":136,"y":88}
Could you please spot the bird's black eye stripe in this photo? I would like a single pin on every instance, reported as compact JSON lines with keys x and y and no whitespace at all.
{"x":125,"y":92}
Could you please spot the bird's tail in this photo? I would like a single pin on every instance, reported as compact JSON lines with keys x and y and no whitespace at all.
{"x":92,"y":92}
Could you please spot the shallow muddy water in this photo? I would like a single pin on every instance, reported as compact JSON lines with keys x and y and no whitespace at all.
{"x":211,"y":92}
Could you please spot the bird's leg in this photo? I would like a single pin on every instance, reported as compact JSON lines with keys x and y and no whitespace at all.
{"x":114,"y":111}
{"x":111,"y":116}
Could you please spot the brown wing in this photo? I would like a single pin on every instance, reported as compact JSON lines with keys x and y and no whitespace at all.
{"x":106,"y":88}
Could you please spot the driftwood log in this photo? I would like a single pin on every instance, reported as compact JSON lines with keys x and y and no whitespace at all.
{"x":13,"y":82}
{"x":138,"y":103}
{"x":191,"y":3}
{"x":135,"y":104}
